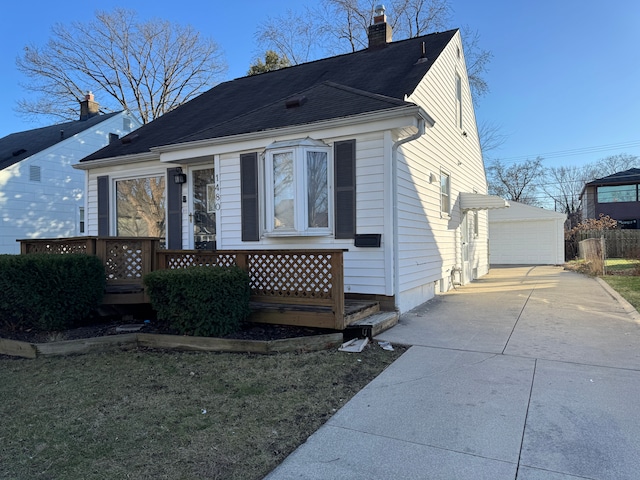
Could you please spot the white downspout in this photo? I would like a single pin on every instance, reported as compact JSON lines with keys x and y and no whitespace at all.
{"x":394,"y":198}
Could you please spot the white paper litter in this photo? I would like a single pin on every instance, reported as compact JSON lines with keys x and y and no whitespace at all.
{"x":386,"y":346}
{"x":356,"y":345}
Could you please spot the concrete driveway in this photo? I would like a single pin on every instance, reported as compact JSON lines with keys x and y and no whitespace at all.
{"x":529,"y":373}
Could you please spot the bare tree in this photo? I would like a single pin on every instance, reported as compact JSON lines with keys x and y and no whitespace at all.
{"x":477,"y":60}
{"x":518,"y":182}
{"x":147,"y":67}
{"x":564,"y":185}
{"x":614,"y":164}
{"x":491,"y":137}
{"x":341,"y":26}
{"x":296,"y":36}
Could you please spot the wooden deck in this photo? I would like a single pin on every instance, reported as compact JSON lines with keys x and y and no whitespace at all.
{"x":288,"y":287}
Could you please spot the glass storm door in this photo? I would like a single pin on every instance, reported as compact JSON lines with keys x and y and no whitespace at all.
{"x":203,"y":213}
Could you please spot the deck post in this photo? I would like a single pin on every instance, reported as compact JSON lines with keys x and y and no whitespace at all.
{"x":242,"y":261}
{"x":337,"y":288}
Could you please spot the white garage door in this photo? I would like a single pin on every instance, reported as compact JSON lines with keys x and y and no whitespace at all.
{"x":524,"y":243}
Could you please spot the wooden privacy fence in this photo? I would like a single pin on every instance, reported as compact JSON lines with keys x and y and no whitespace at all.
{"x":618,"y":243}
{"x":301,"y":287}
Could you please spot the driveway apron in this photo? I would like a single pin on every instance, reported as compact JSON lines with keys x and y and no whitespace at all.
{"x":528,"y":373}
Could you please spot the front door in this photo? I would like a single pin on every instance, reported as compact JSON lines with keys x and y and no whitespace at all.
{"x":203,"y":210}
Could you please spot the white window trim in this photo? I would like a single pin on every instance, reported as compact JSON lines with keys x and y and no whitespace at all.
{"x":445,"y":213}
{"x":299,"y":148}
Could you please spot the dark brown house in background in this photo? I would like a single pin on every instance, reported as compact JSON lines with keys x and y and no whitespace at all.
{"x":616,"y":196}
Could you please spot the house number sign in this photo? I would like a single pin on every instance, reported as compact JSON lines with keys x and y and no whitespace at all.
{"x":213,"y":195}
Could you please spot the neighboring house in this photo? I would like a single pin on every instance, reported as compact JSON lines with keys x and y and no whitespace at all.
{"x":41,"y":194}
{"x":616,"y":196}
{"x":526,"y":235}
{"x":367,"y":152}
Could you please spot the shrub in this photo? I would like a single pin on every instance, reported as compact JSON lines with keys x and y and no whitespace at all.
{"x":49,"y":292}
{"x":202,"y":301}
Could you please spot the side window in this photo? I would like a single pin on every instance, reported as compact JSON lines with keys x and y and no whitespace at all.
{"x":459,"y":101}
{"x":445,"y":193}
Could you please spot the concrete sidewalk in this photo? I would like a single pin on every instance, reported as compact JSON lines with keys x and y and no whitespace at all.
{"x":529,"y":373}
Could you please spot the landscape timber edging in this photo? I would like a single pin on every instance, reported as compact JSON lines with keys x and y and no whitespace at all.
{"x":130,"y":341}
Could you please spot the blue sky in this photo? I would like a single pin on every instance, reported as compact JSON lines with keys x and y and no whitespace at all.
{"x":564,"y":79}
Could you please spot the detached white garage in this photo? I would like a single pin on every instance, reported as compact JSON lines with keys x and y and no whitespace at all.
{"x":526,"y":235}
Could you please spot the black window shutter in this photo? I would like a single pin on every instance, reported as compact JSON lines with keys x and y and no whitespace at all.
{"x":249,"y":197}
{"x":174,"y":210}
{"x":103,"y":206}
{"x":345,"y":188}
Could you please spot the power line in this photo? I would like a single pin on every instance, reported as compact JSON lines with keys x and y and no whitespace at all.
{"x":573,"y":152}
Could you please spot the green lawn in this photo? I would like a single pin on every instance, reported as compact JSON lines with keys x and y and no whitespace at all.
{"x":159,"y":415}
{"x":627,"y":286}
{"x":620,"y":264}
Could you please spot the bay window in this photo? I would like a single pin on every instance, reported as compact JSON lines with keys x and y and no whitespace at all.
{"x":297,"y":184}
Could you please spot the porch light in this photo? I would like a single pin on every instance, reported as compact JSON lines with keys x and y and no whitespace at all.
{"x":179,"y":177}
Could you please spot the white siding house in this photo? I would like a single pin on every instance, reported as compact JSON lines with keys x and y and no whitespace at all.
{"x":526,"y":235}
{"x":391,"y":133}
{"x":41,"y":195}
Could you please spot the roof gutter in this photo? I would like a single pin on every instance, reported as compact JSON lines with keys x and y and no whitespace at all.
{"x":424,"y":120}
{"x":117,"y":161}
{"x":362,"y":118}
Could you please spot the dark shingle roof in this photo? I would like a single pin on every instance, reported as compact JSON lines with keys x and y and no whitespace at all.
{"x":626,"y":177}
{"x":18,"y":146}
{"x":337,"y":86}
{"x":325,"y":101}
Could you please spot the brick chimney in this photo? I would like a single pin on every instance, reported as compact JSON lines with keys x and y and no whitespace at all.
{"x":380,"y":32}
{"x":89,"y":107}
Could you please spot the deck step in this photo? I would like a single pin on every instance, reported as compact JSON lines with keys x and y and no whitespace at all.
{"x":375,"y":323}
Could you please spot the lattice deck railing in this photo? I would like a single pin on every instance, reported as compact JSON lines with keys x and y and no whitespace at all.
{"x":126,"y":261}
{"x":305,"y":286}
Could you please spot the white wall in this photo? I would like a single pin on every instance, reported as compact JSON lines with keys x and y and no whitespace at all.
{"x":430,"y":242}
{"x":366,"y":269}
{"x":526,"y":235}
{"x":50,"y":207}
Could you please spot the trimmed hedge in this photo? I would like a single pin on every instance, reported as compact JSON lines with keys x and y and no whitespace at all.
{"x":201,"y":301}
{"x":49,"y":292}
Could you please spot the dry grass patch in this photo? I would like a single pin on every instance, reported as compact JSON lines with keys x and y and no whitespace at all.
{"x":155,"y":415}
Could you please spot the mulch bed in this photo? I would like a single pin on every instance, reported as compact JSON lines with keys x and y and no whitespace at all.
{"x":249,"y":331}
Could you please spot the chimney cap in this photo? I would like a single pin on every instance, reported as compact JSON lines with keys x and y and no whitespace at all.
{"x":379,"y":10}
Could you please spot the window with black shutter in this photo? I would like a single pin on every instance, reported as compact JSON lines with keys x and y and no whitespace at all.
{"x":174,"y":210}
{"x":249,"y":210}
{"x":345,"y":188}
{"x":103,"y":206}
